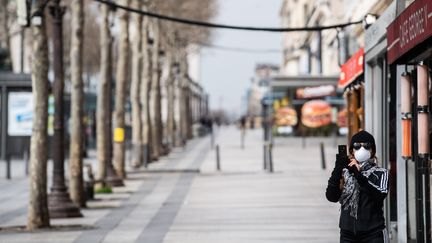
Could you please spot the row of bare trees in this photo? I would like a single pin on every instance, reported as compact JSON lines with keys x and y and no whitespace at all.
{"x":149,"y":60}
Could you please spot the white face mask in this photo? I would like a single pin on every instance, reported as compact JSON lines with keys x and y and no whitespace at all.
{"x":362,"y":154}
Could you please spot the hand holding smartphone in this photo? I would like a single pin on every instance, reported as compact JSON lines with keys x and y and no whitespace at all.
{"x":342,"y":156}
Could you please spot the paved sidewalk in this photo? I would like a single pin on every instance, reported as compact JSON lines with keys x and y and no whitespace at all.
{"x":244,"y":204}
{"x":171,"y":202}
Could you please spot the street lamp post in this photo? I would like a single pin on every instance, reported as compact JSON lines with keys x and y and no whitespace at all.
{"x":59,"y":203}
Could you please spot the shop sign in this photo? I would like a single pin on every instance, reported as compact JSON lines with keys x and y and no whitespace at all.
{"x":315,"y":92}
{"x":316,"y":113}
{"x":286,"y":117}
{"x":351,"y":69}
{"x":411,"y":27}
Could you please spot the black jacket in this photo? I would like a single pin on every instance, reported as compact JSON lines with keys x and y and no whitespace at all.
{"x":373,"y":190}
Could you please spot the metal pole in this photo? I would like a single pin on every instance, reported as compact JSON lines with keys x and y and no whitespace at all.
{"x":217,"y":158}
{"x":265,"y":157}
{"x":3,"y":124}
{"x":426,"y":174}
{"x":323,"y":162}
{"x":60,"y":205}
{"x":419,"y":197}
{"x":26,"y":160}
{"x":8,"y":167}
{"x":423,"y":148}
{"x":58,"y":87}
{"x":427,"y":201}
{"x":417,"y":173}
{"x":211,"y":138}
{"x":270,"y":155}
{"x":242,"y":137}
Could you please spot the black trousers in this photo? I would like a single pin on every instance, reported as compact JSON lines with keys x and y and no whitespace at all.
{"x":375,"y":236}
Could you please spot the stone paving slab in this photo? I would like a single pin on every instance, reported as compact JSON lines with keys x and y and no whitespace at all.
{"x":244,"y":204}
{"x":172,"y":202}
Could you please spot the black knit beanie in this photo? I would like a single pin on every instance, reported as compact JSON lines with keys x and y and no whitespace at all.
{"x":363,"y":137}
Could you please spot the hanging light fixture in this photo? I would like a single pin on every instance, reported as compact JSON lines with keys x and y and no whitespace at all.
{"x":423,"y":109}
{"x":406,"y":115}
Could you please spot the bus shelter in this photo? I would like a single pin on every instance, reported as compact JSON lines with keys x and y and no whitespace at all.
{"x":16,"y":106}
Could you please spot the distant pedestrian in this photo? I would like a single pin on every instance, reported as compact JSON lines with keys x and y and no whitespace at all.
{"x":242,"y":131}
{"x":360,"y":186}
{"x":243,"y":122}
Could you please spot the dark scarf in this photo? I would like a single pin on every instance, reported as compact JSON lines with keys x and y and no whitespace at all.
{"x":349,"y":199}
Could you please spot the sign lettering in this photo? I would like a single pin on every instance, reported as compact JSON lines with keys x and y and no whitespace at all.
{"x":413,"y":26}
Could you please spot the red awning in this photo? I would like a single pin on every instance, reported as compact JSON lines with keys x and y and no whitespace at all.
{"x":351,"y":69}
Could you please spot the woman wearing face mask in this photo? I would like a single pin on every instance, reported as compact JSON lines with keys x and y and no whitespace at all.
{"x":360,"y":186}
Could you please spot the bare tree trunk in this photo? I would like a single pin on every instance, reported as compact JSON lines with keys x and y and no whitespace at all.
{"x":112,"y":179}
{"x":155,"y":93}
{"x":38,"y":215}
{"x":77,"y":101}
{"x":103,"y":114}
{"x":183,"y":83}
{"x":177,"y":109}
{"x":158,"y":109}
{"x":189,"y":99}
{"x":170,"y":93}
{"x":122,"y":82}
{"x":137,"y":52}
{"x":145,"y":91}
{"x":184,"y":111}
{"x":5,"y":18}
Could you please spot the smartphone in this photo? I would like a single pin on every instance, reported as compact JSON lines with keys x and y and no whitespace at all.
{"x":342,"y":150}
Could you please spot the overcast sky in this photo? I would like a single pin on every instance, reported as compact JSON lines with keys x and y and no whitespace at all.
{"x":226,"y":74}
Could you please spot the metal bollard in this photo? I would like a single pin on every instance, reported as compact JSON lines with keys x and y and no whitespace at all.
{"x":26,"y":161}
{"x":265,"y":156}
{"x":217,"y":158}
{"x":270,"y":148}
{"x":211,"y":139}
{"x":242,"y":138}
{"x":146,"y":155}
{"x":8,"y":167}
{"x":323,"y":162}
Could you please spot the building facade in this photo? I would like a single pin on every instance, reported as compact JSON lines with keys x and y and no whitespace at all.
{"x":371,"y":96}
{"x":258,"y":87}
